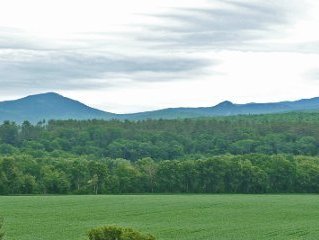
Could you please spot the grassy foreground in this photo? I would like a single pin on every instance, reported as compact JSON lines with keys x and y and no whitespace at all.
{"x":166,"y":216}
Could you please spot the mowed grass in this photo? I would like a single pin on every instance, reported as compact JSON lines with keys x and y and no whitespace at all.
{"x":191,"y":217}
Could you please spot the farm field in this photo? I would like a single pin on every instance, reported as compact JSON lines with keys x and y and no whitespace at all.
{"x":183,"y":217}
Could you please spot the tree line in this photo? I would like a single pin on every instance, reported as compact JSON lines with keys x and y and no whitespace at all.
{"x":253,"y":173}
{"x":292,"y":133}
{"x":241,"y":154}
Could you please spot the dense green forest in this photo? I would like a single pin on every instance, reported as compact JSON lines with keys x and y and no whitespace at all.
{"x":242,"y":154}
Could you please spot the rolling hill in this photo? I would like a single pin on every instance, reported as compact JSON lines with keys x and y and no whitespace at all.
{"x":51,"y":105}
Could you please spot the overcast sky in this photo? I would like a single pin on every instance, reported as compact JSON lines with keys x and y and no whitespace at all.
{"x":129,"y":56}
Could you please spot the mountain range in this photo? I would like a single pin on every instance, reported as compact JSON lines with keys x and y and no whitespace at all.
{"x":51,"y":105}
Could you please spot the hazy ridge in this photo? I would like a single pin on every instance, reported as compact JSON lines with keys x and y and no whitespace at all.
{"x":51,"y":105}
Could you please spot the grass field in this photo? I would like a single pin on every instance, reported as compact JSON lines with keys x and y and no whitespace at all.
{"x":166,"y":216}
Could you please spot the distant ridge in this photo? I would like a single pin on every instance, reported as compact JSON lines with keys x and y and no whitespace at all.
{"x":51,"y":105}
{"x":47,"y":106}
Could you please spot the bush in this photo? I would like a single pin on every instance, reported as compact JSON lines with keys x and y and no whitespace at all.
{"x":117,"y":233}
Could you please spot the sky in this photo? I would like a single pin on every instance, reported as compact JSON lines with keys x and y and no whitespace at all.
{"x":130,"y":56}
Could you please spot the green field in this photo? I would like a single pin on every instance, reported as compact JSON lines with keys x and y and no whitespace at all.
{"x":166,"y":216}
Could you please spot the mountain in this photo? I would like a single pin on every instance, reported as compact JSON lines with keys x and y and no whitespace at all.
{"x":228,"y":108}
{"x":48,"y":106}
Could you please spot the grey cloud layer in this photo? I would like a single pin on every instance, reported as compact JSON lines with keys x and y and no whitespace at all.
{"x":234,"y":24}
{"x":58,"y":69}
{"x":12,"y":38}
{"x":27,"y":62}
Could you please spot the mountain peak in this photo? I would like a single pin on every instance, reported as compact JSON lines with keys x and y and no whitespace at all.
{"x":47,"y":94}
{"x":50,"y":94}
{"x":225,"y":104}
{"x":48,"y":106}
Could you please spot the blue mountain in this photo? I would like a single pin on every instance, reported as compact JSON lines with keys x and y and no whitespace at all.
{"x":51,"y":105}
{"x":228,"y":108}
{"x":47,"y":106}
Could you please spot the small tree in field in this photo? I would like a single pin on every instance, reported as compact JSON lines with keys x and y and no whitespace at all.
{"x":117,"y":233}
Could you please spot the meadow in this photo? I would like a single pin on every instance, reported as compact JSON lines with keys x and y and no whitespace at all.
{"x":182,"y":217}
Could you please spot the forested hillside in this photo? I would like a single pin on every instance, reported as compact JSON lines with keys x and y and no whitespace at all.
{"x":246,"y":154}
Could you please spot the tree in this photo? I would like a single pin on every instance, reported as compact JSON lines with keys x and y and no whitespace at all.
{"x":128,"y":176}
{"x":243,"y":146}
{"x":54,"y":181}
{"x":11,"y":174}
{"x":307,"y":179}
{"x":79,"y":174}
{"x":188,"y":176}
{"x":94,"y":183}
{"x":98,"y":173}
{"x":148,"y":168}
{"x":281,"y":174}
{"x":306,"y":145}
{"x":9,"y":133}
{"x":253,"y":179}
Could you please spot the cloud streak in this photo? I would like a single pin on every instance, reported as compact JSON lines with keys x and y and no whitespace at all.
{"x":72,"y":70}
{"x":232,"y":24}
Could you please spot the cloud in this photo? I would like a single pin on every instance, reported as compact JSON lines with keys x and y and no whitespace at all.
{"x":230,"y":24}
{"x":12,"y":38}
{"x":77,"y":70}
{"x":173,"y":44}
{"x":312,"y":74}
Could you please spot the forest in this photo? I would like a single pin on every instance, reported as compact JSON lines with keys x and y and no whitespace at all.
{"x":242,"y":154}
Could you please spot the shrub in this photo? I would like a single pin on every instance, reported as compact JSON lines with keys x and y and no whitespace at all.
{"x":117,"y":233}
